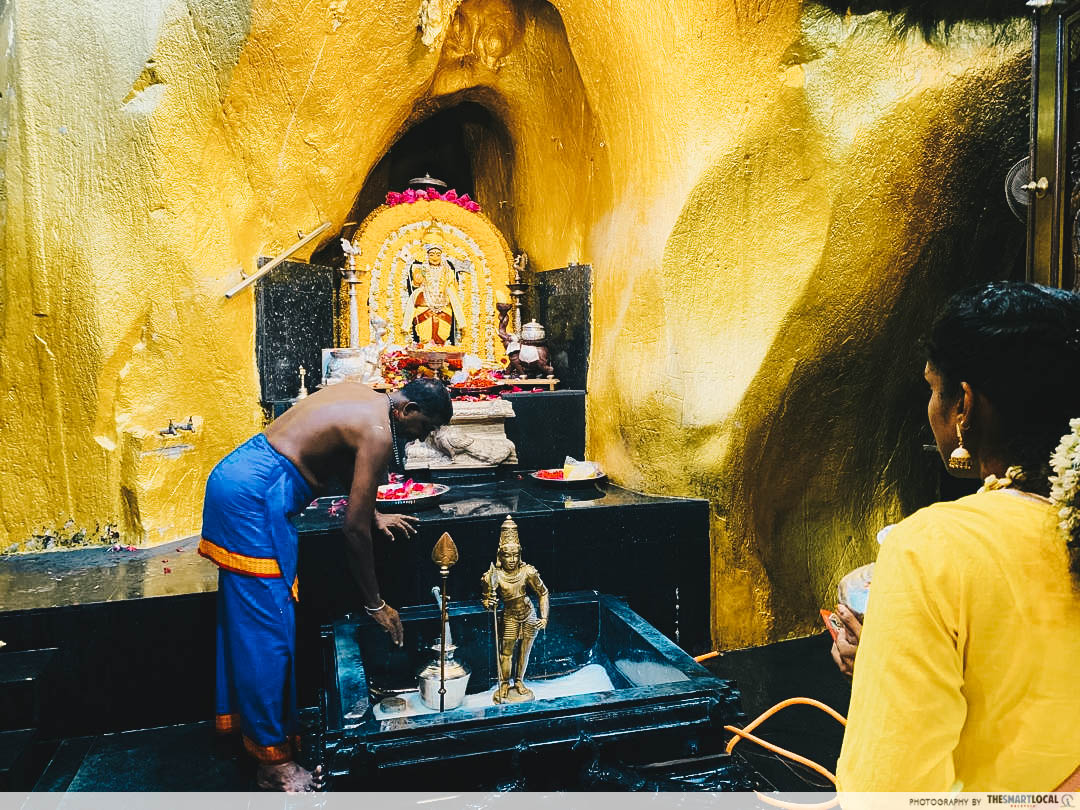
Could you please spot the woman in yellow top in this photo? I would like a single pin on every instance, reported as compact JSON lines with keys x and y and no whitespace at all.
{"x":968,"y":671}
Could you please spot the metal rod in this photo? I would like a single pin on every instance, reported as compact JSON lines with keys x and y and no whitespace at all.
{"x":442,"y":652}
{"x":266,"y":268}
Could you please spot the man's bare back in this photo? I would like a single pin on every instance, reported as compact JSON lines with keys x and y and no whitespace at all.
{"x":345,"y":433}
{"x":322,"y":433}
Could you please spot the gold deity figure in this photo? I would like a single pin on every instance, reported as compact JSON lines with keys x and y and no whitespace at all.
{"x":509,"y":579}
{"x":433,"y":313}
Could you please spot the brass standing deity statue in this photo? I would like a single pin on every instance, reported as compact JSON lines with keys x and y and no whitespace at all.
{"x":509,"y":579}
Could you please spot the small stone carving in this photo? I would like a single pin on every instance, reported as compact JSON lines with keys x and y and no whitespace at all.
{"x":454,"y":442}
{"x":476,"y":437}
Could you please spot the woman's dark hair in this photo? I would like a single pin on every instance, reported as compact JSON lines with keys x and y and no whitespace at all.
{"x":432,"y":398}
{"x":1017,"y":344}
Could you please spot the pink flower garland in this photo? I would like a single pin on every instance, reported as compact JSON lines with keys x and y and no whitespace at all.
{"x":411,"y":195}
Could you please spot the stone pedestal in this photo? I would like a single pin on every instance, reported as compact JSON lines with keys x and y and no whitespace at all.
{"x":474,"y":439}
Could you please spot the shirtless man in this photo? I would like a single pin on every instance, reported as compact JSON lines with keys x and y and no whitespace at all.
{"x":343,"y":433}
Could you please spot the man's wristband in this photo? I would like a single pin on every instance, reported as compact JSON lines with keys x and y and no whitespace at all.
{"x":374,"y":610}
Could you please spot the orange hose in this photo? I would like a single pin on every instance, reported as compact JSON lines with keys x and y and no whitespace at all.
{"x":744,"y":734}
{"x":817,"y":704}
{"x":776,"y":749}
{"x":706,"y":656}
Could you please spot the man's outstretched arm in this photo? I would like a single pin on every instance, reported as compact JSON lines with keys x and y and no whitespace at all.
{"x":358,"y":522}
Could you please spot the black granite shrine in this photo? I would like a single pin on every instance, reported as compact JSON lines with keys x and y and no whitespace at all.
{"x":767,"y":675}
{"x":547,"y":427}
{"x":294,"y":321}
{"x":652,"y":550}
{"x":564,"y":306}
{"x":659,"y":704}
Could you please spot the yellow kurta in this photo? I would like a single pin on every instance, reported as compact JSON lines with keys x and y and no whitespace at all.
{"x":969,"y":665}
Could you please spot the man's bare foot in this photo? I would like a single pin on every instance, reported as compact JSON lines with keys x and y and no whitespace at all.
{"x":289,"y":777}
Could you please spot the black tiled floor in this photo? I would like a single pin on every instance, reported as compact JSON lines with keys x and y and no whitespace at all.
{"x":174,"y":758}
{"x":16,"y":754}
{"x":64,"y":764}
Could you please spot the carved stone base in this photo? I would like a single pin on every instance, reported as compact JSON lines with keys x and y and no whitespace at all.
{"x":475,"y":438}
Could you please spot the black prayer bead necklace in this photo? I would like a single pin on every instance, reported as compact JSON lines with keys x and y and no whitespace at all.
{"x":393,"y":434}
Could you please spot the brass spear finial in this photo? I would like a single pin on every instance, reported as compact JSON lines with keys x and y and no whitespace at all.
{"x":445,"y":553}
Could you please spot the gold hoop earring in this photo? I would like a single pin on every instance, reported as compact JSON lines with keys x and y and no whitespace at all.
{"x":960,"y":458}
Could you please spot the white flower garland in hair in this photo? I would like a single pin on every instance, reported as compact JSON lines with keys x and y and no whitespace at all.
{"x":1065,"y":482}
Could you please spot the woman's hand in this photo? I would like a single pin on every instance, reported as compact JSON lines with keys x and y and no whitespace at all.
{"x":847,"y":640}
{"x":396,"y":527}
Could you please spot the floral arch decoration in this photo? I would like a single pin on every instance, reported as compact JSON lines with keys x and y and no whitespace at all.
{"x":390,"y":241}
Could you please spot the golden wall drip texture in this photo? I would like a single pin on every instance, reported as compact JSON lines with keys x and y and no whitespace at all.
{"x":773,"y":197}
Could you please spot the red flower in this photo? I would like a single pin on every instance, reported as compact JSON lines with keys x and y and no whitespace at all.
{"x":411,"y":195}
{"x":166,"y":570}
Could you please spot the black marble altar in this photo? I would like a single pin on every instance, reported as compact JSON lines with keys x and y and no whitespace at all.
{"x":652,"y":550}
{"x":657,"y":702}
{"x":294,"y":321}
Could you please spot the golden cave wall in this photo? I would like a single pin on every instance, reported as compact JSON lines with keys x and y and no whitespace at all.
{"x":772,"y":197}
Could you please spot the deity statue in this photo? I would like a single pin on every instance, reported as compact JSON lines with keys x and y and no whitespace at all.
{"x":433,"y":311}
{"x":509,"y":580}
{"x":372,"y":353}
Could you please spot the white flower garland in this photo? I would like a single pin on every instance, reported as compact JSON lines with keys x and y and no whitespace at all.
{"x":1065,"y":482}
{"x":474,"y":300}
{"x":373,"y":293}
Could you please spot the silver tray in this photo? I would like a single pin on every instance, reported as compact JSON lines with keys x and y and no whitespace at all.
{"x":411,"y":504}
{"x":573,"y":483}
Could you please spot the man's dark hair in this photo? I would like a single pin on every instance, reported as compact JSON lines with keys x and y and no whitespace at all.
{"x":432,"y":398}
{"x":1019,"y":345}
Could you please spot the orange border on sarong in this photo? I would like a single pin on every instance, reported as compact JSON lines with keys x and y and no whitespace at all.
{"x":262,"y":567}
{"x":226,"y":723}
{"x":270,"y":754}
{"x":240,"y":563}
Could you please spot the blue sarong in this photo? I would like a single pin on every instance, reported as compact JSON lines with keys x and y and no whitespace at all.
{"x":250,"y":497}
